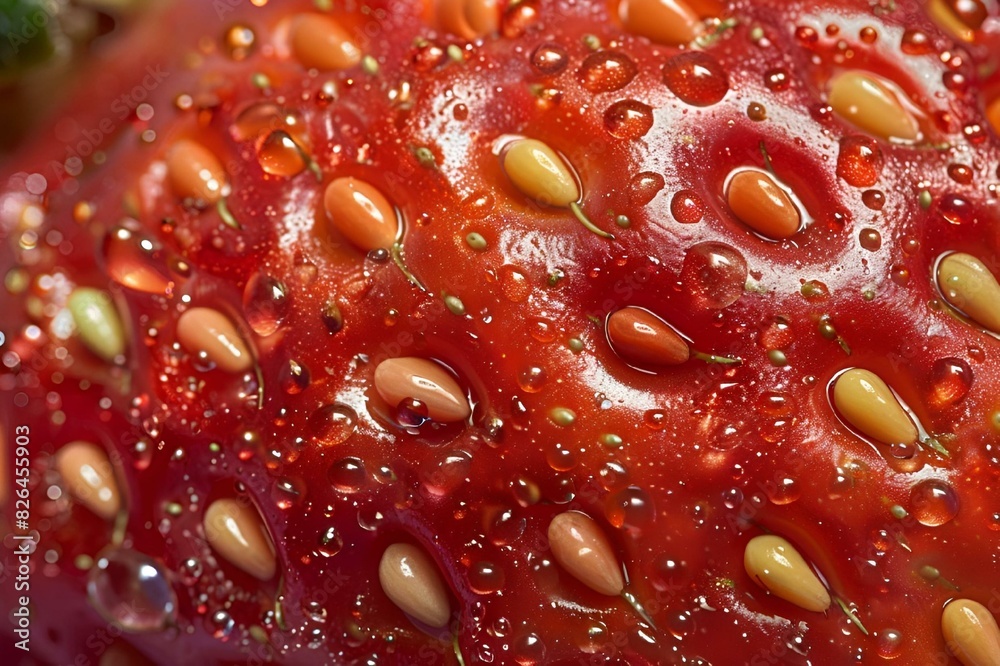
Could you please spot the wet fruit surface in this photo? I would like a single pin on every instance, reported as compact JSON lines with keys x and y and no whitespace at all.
{"x":442,"y":332}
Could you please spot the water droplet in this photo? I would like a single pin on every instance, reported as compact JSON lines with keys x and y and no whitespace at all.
{"x":655,"y":419}
{"x":889,"y":643}
{"x":955,"y":209}
{"x":785,"y":490}
{"x":279,"y":155}
{"x":696,"y":78}
{"x":549,"y":58}
{"x":560,"y":458}
{"x":870,"y":239}
{"x":644,"y":186}
{"x":221,"y":625}
{"x":294,"y":377}
{"x":915,"y":42}
{"x":265,"y":304}
{"x":513,"y":283}
{"x":873,"y":199}
{"x":532,"y":379}
{"x":687,"y":207}
{"x":529,"y":650}
{"x":715,"y":274}
{"x":613,"y":476}
{"x":506,"y":528}
{"x":333,"y":424}
{"x":628,"y":119}
{"x":485,"y":577}
{"x":960,"y":173}
{"x":446,"y":472}
{"x":131,"y":590}
{"x":287,"y":492}
{"x":951,"y":381}
{"x":605,"y":71}
{"x":136,"y":262}
{"x":933,"y":502}
{"x":900,"y":275}
{"x":542,"y":330}
{"x":630,"y":508}
{"x":777,"y":80}
{"x":517,"y":18}
{"x":239,"y":41}
{"x":330,"y":542}
{"x":859,"y":161}
{"x":348,"y":475}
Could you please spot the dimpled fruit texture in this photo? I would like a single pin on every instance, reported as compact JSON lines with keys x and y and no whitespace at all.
{"x":308,"y":342}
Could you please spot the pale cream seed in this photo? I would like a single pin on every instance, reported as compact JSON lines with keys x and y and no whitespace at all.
{"x":971,"y":633}
{"x":670,"y":22}
{"x":868,"y":405}
{"x":361,"y":213}
{"x":320,"y":42}
{"x":208,"y":332}
{"x":411,"y":581}
{"x":582,"y":549}
{"x":195,"y":172}
{"x":865,"y":101}
{"x":469,"y":19}
{"x":540,"y":173}
{"x":97,"y":322}
{"x":779,"y":568}
{"x":969,"y":286}
{"x":236,"y":532}
{"x":412,"y":378}
{"x":763,"y":205}
{"x":89,"y":478}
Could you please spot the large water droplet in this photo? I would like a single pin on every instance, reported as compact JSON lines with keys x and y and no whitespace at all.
{"x":630,"y":508}
{"x":933,"y":502}
{"x":687,"y":207}
{"x":549,"y":58}
{"x":485,"y":577}
{"x":605,"y":71}
{"x":279,"y":155}
{"x":136,"y":262}
{"x":628,"y":119}
{"x":952,"y":379}
{"x":348,"y":475}
{"x":333,"y":424}
{"x":447,"y":472}
{"x":131,"y":590}
{"x":714,"y":274}
{"x":265,"y":303}
{"x":696,"y":78}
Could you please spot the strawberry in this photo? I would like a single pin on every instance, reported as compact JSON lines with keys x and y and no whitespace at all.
{"x":534,"y":332}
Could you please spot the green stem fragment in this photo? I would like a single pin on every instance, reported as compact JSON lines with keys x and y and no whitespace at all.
{"x":934,"y":444}
{"x":226,"y":216}
{"x":634,"y":603}
{"x":458,"y":651}
{"x":400,"y":261}
{"x":260,"y":386}
{"x":767,"y":159}
{"x":850,"y":615}
{"x":585,"y":221}
{"x":712,"y":358}
{"x":711,"y":37}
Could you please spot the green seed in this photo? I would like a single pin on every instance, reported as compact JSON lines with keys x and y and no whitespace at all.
{"x":425,"y":156}
{"x":925,"y":199}
{"x":97,"y":322}
{"x":173,"y":509}
{"x":592,"y":42}
{"x":455,"y":53}
{"x":575,"y":345}
{"x":454,"y":304}
{"x":260,"y":80}
{"x":898,"y":512}
{"x":623,"y":221}
{"x":476,"y":241}
{"x":777,"y":358}
{"x":611,"y":440}
{"x":562,"y":417}
{"x":369,"y":65}
{"x":929,"y":572}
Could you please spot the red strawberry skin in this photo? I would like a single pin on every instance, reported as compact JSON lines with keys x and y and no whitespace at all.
{"x":679,"y":468}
